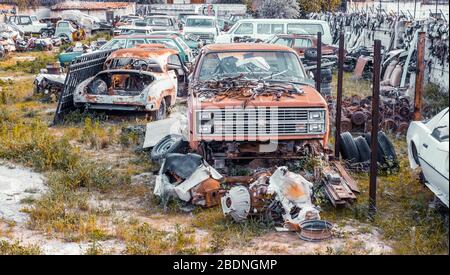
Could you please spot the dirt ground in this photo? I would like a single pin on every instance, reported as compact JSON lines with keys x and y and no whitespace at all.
{"x":125,"y":217}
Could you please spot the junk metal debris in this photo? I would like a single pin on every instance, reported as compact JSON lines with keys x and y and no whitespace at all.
{"x":282,"y":196}
{"x":50,"y":82}
{"x":395,"y":113}
{"x":188,"y":178}
{"x":315,"y":230}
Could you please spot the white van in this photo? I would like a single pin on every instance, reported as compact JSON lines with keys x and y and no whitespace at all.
{"x":265,"y":28}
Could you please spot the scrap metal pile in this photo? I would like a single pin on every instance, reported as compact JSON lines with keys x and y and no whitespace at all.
{"x":274,"y":195}
{"x":395,"y":113}
{"x":238,"y":87}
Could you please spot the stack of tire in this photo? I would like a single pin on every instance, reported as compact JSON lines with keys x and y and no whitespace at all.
{"x":357,"y":150}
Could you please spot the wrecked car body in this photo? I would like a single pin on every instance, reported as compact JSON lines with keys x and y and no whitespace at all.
{"x":50,"y":82}
{"x":145,"y":79}
{"x":251,"y":101}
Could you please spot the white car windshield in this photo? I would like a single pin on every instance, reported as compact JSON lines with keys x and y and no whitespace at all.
{"x":277,"y":66}
{"x":199,"y":22}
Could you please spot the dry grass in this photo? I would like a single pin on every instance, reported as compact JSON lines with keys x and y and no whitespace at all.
{"x":15,"y":248}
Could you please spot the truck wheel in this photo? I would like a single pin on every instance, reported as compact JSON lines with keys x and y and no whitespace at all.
{"x":363,"y":149}
{"x":168,"y":144}
{"x":162,"y":111}
{"x":348,"y":148}
{"x":386,"y":146}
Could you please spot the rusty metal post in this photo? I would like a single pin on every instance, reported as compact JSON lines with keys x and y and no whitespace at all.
{"x":374,"y":134}
{"x":339,"y":96}
{"x":318,"y":75}
{"x":420,"y":70}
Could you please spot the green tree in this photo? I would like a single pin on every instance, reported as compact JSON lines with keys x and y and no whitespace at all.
{"x":307,"y":6}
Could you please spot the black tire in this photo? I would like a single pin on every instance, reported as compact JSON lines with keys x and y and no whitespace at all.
{"x":168,"y":144}
{"x":386,"y":146}
{"x":363,"y":149}
{"x":368,"y":138}
{"x":348,"y":149}
{"x":161,"y":113}
{"x":310,"y":54}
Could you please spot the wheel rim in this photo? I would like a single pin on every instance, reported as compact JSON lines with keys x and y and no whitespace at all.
{"x":165,"y":146}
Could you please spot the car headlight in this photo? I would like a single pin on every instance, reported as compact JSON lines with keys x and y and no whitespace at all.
{"x":206,"y":116}
{"x":316,"y":128}
{"x":206,"y":129}
{"x":315,"y":115}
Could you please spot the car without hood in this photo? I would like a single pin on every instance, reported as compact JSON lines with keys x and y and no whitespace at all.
{"x":146,"y":78}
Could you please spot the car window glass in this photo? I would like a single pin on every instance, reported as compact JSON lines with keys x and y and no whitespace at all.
{"x":174,"y":60}
{"x":245,"y":28}
{"x":283,"y":41}
{"x":24,"y":20}
{"x":277,"y":28}
{"x":297,"y":28}
{"x":63,"y":25}
{"x":263,"y":29}
{"x":303,"y":43}
{"x":133,"y":42}
{"x":443,"y":129}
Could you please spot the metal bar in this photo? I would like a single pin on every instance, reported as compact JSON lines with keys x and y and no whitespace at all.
{"x":339,"y":96}
{"x":420,"y":70}
{"x":319,"y":60}
{"x":374,"y":134}
{"x":415,"y":6}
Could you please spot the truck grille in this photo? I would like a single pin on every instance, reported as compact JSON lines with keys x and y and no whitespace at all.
{"x":204,"y":36}
{"x":259,"y":122}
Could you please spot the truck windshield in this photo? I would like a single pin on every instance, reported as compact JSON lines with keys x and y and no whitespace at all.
{"x":157,"y":21}
{"x":276,"y":66}
{"x":199,"y":22}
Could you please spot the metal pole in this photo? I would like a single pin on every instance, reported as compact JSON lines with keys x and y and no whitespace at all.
{"x":319,"y":61}
{"x":339,"y":96}
{"x":398,"y":8}
{"x":420,"y":70}
{"x":374,"y":134}
{"x":415,"y":4}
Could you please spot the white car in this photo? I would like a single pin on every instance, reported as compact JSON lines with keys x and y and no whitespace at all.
{"x":428,"y":148}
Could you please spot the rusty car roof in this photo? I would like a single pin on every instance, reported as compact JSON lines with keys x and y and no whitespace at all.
{"x":148,"y":36}
{"x":238,"y":47}
{"x":153,"y":51}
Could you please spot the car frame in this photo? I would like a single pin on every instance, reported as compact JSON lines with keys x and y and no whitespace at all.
{"x":428,"y":148}
{"x":131,"y":68}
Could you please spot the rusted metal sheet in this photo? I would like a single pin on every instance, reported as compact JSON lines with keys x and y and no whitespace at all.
{"x":359,"y":68}
{"x":336,"y":187}
{"x":347,"y":178}
{"x":420,"y":70}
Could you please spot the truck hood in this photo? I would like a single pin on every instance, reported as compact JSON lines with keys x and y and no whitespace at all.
{"x":309,"y":98}
{"x":198,"y":30}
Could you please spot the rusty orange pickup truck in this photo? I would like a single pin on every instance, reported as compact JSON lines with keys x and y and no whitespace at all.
{"x":254,"y":100}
